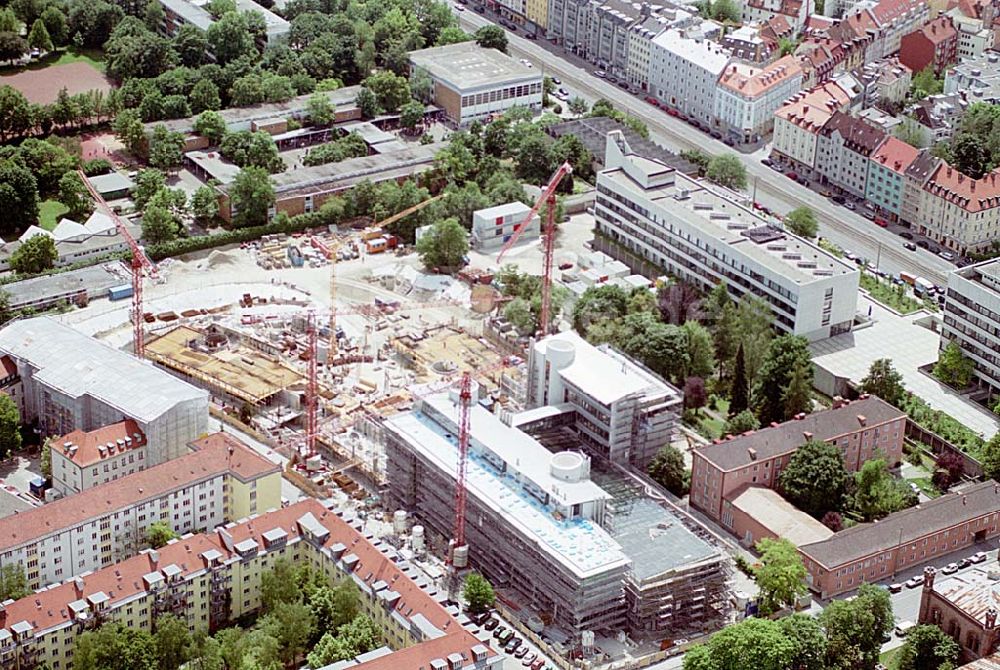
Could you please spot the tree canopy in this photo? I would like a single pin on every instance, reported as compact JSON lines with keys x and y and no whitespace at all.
{"x":781,"y":575}
{"x":667,"y":469}
{"x":815,"y":479}
{"x":444,"y":245}
{"x":885,"y":382}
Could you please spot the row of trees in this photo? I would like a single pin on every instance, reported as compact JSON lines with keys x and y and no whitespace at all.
{"x":303,"y":616}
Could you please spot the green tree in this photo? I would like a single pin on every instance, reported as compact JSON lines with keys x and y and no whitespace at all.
{"x":159,"y":533}
{"x":802,"y":222}
{"x":211,"y":125}
{"x":780,"y":576}
{"x":354,"y":638}
{"x":334,"y":607}
{"x":15,"y":113}
{"x":444,"y":245}
{"x":805,"y":633}
{"x":391,"y":91}
{"x":166,"y":148}
{"x":855,"y":629}
{"x":45,"y":459}
{"x":797,"y":396}
{"x":478,"y":593}
{"x":13,"y":581}
{"x":492,"y":37}
{"x":667,"y":469}
{"x":115,"y":647}
{"x":885,"y":382}
{"x":191,"y":45}
{"x":205,"y":204}
{"x":989,"y":457}
{"x":726,"y":11}
{"x":741,"y":423}
{"x":517,"y":312}
{"x":38,"y":37}
{"x":700,"y":350}
{"x":279,"y":585}
{"x":148,"y":183}
{"x":411,"y":114}
{"x":928,"y":648}
{"x":877,"y":493}
{"x":952,"y":367}
{"x":785,"y":354}
{"x":12,"y":46}
{"x":173,"y":640}
{"x":9,"y":23}
{"x":36,"y":254}
{"x":577,"y":106}
{"x":252,"y":194}
{"x":205,"y":97}
{"x":18,"y":196}
{"x":73,"y":193}
{"x":970,"y":155}
{"x":739,"y":393}
{"x":727,"y":170}
{"x":158,"y":225}
{"x":925,"y":83}
{"x":452,"y":35}
{"x":252,"y":149}
{"x":229,"y":38}
{"x":292,"y":625}
{"x":130,"y":132}
{"x":815,"y":479}
{"x":755,"y":643}
{"x":321,"y":111}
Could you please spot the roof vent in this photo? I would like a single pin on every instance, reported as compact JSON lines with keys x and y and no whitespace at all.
{"x":752,"y":453}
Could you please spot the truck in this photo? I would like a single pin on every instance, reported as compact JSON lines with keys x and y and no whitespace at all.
{"x":120,"y":292}
{"x":922,"y":287}
{"x":907,"y":278}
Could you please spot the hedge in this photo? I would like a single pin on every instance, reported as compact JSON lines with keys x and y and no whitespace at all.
{"x":185,"y":245}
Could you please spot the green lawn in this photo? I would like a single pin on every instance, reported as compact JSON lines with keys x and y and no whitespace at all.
{"x":889,"y":294}
{"x":888,"y":659}
{"x":95,"y":57}
{"x":924,"y":484}
{"x":49,"y":213}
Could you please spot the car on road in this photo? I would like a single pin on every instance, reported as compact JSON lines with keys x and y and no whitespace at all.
{"x":903,"y":628}
{"x":479,"y":8}
{"x":557,"y":81}
{"x":623,"y":84}
{"x":923,"y":244}
{"x":915,"y":581}
{"x":803,"y":181}
{"x":947,"y":255}
{"x":651,"y":100}
{"x":850,"y":205}
{"x":839,"y":199}
{"x":933,"y":248}
{"x":895,"y":588}
{"x":851,"y":256}
{"x":526,"y":63}
{"x":500,"y":630}
{"x":459,"y":8}
{"x":978,"y":557}
{"x":950,"y":569}
{"x":600,"y":74}
{"x":716,"y":134}
{"x":791,"y":175}
{"x":906,"y":235}
{"x":826,"y":193}
{"x":613,"y":79}
{"x":521,"y":652}
{"x":530,"y":36}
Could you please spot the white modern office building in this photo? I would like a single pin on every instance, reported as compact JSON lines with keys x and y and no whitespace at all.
{"x":972,"y":318}
{"x":704,"y":234}
{"x":622,"y":410}
{"x":75,"y":382}
{"x":493,"y":226}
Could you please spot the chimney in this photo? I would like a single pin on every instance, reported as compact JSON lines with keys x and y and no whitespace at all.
{"x":965,"y":500}
{"x":929,"y":573}
{"x":862,"y":419}
{"x":78,"y":586}
{"x":991,"y":618}
{"x":752,"y":453}
{"x":154,"y":557}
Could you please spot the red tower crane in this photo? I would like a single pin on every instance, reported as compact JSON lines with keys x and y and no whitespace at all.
{"x":465,"y":406}
{"x":140,"y":264}
{"x":548,"y":240}
{"x":312,"y":385}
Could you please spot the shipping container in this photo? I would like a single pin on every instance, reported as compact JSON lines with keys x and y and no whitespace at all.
{"x":120,"y":292}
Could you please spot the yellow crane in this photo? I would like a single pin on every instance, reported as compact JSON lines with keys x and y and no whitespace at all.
{"x":333,"y":349}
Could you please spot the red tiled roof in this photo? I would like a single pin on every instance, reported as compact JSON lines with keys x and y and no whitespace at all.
{"x":105,"y":442}
{"x":887,"y":11}
{"x":811,"y":110}
{"x":48,"y":608}
{"x":939,"y":30}
{"x":972,"y":195}
{"x":146,"y":484}
{"x":753,"y":82}
{"x":896,"y":155}
{"x":244,"y":462}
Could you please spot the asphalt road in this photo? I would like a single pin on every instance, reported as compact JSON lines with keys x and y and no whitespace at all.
{"x":777,"y":192}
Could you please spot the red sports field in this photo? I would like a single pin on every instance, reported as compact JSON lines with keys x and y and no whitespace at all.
{"x":43,"y":85}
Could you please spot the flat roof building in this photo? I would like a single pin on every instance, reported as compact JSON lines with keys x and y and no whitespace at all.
{"x":655,"y":219}
{"x":213,"y":579}
{"x":972,"y":319}
{"x":222,"y":479}
{"x":75,"y":382}
{"x":493,"y":226}
{"x":194,"y":12}
{"x":623,"y":411}
{"x":469,"y":82}
{"x":541,"y":508}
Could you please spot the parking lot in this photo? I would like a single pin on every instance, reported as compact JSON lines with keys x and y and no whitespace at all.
{"x":519,"y":652}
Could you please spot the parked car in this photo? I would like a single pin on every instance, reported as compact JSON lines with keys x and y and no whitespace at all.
{"x":491,"y":623}
{"x":600,"y":74}
{"x":947,"y":255}
{"x":906,"y":235}
{"x":538,"y":665}
{"x":673,"y":112}
{"x":500,"y":630}
{"x":850,"y":205}
{"x":803,"y":181}
{"x":923,"y":244}
{"x":766,"y":161}
{"x":716,"y":134}
{"x":933,"y":248}
{"x":895,"y":588}
{"x":904,"y":627}
{"x":839,"y":199}
{"x":826,"y":193}
{"x":791,"y":175}
{"x":557,"y":81}
{"x":521,"y":652}
{"x":512,"y":644}
{"x":459,"y":8}
{"x":950,"y":569}
{"x":528,"y":660}
{"x":530,"y":36}
{"x":915,"y":581}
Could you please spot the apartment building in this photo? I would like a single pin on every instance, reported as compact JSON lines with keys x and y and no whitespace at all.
{"x":472,"y":83}
{"x":933,"y":45}
{"x":864,"y":429}
{"x":597,"y":32}
{"x":886,"y":83}
{"x":795,"y":12}
{"x":974,"y":23}
{"x":177,"y":13}
{"x":10,"y":383}
{"x":212,"y":579}
{"x":684,"y":71}
{"x":915,"y":178}
{"x":623,"y":411}
{"x":964,"y":607}
{"x":748,"y":45}
{"x":978,"y":80}
{"x":84,"y":459}
{"x":748,"y":95}
{"x":874,"y":552}
{"x":704,"y":235}
{"x":541,"y":507}
{"x":844,"y":148}
{"x":798,"y":122}
{"x":886,"y":186}
{"x":885,"y":22}
{"x":972,"y":319}
{"x":75,"y":382}
{"x":961,"y":213}
{"x":220,"y":480}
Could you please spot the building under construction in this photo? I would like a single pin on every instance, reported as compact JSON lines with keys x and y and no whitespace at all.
{"x":583,"y":556}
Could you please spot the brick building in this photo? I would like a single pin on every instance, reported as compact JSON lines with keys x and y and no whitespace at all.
{"x":873,"y":552}
{"x":864,"y":429}
{"x":965,"y":607}
{"x":934,"y":45}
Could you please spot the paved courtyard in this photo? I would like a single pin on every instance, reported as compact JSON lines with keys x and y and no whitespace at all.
{"x":910,"y":346}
